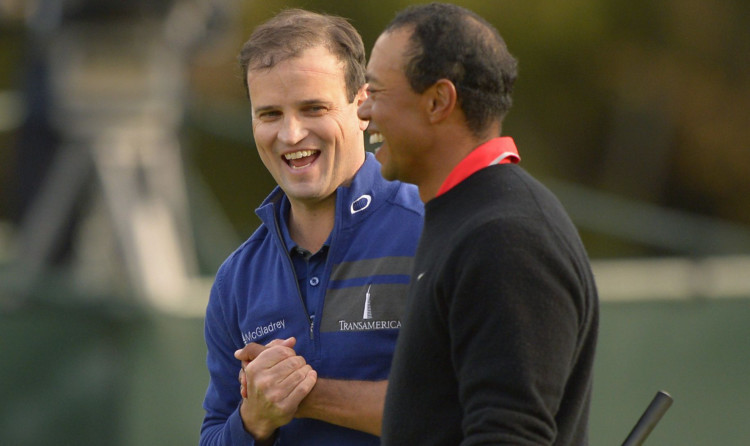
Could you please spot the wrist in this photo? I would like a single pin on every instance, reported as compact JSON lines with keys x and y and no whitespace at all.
{"x":307,"y":408}
{"x":268,"y":441}
{"x":263,"y":432}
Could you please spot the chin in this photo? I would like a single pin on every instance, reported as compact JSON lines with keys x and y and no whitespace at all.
{"x":388,"y":173}
{"x":382,"y":158}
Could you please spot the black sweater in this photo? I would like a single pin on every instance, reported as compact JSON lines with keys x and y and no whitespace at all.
{"x":497,"y":345}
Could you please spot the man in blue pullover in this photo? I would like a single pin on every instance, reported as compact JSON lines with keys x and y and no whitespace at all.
{"x":321,"y":284}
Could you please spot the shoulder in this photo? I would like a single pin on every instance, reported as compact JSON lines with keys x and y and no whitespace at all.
{"x":407,"y":197}
{"x":502,"y":214}
{"x":370,"y":200}
{"x":254,"y":248}
{"x":509,"y":196}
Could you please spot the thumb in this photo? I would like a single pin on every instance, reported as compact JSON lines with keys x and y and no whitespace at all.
{"x":252,"y":350}
{"x":288,"y":342}
{"x":249,"y":352}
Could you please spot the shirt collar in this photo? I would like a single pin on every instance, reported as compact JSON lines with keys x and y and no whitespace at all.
{"x":501,"y":150}
{"x":284,"y":209}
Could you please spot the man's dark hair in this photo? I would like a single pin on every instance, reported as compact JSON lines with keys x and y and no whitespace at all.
{"x":292,"y":31}
{"x":454,"y":43}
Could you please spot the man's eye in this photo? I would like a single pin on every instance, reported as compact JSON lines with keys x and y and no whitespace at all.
{"x":316,"y":109}
{"x":269,"y":115}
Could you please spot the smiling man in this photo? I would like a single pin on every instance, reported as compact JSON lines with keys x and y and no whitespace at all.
{"x":500,"y":328}
{"x":308,"y":309}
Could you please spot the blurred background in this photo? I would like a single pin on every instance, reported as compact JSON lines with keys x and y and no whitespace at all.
{"x":128,"y":173}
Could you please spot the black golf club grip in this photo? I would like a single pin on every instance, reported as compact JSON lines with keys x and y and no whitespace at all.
{"x":648,"y":420}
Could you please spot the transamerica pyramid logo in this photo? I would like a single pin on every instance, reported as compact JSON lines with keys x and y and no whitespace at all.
{"x":368,"y":309}
{"x":368,"y":322}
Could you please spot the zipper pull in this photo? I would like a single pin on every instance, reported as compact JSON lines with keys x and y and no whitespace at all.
{"x":312,"y":327}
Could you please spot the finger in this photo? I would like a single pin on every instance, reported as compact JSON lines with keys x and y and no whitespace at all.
{"x":252,"y":350}
{"x":243,"y":385}
{"x":288,"y":342}
{"x":275,"y":383}
{"x":288,"y":395}
{"x":249,"y":352}
{"x":302,"y":389}
{"x":273,"y":364}
{"x":264,"y":378}
{"x":295,"y":377}
{"x":288,"y":366}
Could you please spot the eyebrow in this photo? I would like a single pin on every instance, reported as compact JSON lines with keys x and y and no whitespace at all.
{"x":314,"y":102}
{"x":264,"y":108}
{"x":306,"y":102}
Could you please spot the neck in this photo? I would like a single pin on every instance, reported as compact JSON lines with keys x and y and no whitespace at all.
{"x":431,"y":185}
{"x":309,"y":226}
{"x":451,"y":149}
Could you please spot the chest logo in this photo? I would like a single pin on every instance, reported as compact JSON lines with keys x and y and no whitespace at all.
{"x":263,"y":330}
{"x":360,"y":204}
{"x":368,"y":307}
{"x":368,"y":323}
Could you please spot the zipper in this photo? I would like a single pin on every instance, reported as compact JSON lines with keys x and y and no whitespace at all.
{"x":280,"y":239}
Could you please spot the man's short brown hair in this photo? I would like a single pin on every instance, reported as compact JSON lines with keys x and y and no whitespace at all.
{"x":292,"y":31}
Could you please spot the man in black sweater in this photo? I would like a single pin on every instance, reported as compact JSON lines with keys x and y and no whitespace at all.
{"x":497,"y":345}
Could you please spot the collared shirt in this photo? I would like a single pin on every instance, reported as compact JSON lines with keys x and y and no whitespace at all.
{"x":309,"y":267}
{"x":501,"y":150}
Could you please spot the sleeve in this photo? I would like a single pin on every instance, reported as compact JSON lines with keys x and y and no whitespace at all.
{"x":513,"y":319}
{"x":222,"y":423}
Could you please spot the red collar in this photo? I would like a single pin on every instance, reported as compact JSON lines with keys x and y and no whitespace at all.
{"x":501,"y":150}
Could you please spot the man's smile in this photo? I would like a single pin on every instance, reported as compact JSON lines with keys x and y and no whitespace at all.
{"x":301,"y":158}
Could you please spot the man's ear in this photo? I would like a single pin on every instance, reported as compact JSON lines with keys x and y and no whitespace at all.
{"x":361,"y":95}
{"x":442,"y":100}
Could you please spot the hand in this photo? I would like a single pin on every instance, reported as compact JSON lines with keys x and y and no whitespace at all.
{"x":276,"y":379}
{"x":250,"y":352}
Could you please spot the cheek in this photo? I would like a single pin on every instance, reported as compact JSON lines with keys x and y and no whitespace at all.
{"x":264,"y":136}
{"x":265,"y":158}
{"x":264,"y":148}
{"x":395,"y":115}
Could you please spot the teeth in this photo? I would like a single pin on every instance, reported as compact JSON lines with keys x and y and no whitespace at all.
{"x":298,"y":155}
{"x":376,"y":138}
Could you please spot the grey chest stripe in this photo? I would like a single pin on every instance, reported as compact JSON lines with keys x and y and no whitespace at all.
{"x":372,"y":267}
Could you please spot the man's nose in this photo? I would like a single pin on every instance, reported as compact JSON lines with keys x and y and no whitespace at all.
{"x":363,"y":111}
{"x":292,"y":130}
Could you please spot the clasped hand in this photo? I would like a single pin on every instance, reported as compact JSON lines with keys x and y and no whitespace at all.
{"x":273,"y":382}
